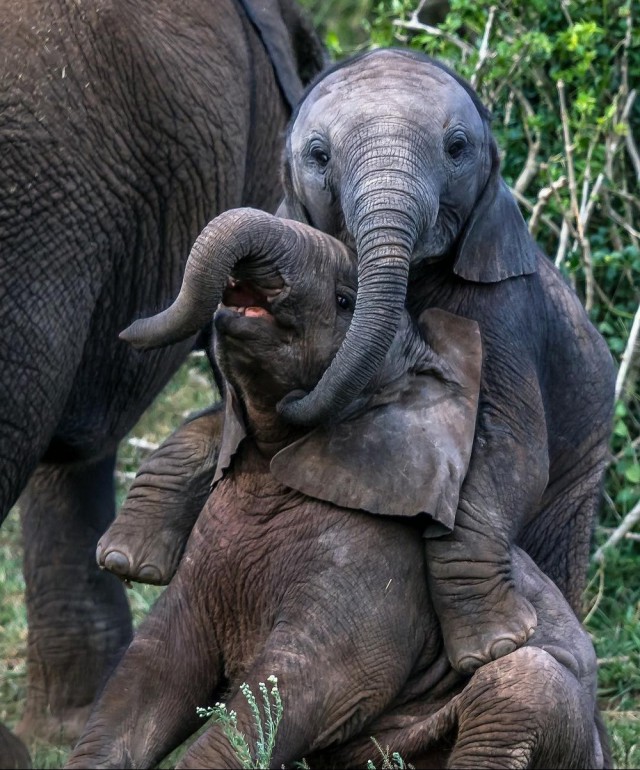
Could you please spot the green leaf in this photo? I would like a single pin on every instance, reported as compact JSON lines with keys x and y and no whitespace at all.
{"x":632,"y":474}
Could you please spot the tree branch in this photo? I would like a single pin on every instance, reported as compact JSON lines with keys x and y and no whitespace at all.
{"x":625,"y":526}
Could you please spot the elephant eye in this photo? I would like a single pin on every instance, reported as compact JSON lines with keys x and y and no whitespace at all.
{"x":456,"y":146}
{"x":319,"y":156}
{"x":344,"y":302}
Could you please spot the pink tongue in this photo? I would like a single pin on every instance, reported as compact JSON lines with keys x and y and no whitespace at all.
{"x":255,"y":312}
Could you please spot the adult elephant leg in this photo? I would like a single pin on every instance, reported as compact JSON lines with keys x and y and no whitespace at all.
{"x":78,"y":617}
{"x":146,"y":541}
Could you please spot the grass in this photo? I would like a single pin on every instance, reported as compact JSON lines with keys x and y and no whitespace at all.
{"x":613,"y":595}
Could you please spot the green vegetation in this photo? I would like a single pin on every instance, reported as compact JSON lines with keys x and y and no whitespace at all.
{"x":265,"y":723}
{"x":558,"y":78}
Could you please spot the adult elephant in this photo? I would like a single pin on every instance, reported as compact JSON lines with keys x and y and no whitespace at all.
{"x":124,"y":127}
{"x":392,"y":153}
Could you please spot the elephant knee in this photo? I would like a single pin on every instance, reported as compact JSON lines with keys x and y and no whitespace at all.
{"x":523,"y":710}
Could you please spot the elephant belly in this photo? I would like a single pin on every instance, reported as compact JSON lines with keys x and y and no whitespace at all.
{"x":320,"y":587}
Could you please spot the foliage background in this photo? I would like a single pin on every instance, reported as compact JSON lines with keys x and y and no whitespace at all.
{"x":559,"y":78}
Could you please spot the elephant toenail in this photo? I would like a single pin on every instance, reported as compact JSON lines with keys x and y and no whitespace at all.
{"x":149,"y":573}
{"x":469,"y":664}
{"x":118,"y":563}
{"x":502,"y":647}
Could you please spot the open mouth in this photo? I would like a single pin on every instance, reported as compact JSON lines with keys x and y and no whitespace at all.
{"x":248,"y":299}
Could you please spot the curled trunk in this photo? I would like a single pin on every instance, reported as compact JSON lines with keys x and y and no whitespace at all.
{"x":236,"y":235}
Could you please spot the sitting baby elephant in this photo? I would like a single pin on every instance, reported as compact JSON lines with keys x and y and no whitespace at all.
{"x":287,"y":572}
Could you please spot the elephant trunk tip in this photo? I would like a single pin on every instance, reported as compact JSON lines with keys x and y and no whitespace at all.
{"x":140,"y":336}
{"x":307,"y":410}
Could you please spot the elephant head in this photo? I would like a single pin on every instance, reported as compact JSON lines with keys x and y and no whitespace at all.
{"x":392,"y":154}
{"x":402,"y":448}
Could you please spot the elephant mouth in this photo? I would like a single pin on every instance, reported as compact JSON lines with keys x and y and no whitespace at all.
{"x":247,"y":299}
{"x":249,"y":308}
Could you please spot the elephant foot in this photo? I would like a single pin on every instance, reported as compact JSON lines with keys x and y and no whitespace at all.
{"x":146,"y":541}
{"x":137,"y":554}
{"x":65,"y":728}
{"x":482,"y":630}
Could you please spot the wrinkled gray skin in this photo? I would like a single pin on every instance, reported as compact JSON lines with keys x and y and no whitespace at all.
{"x":393,"y":155}
{"x":332,"y":601}
{"x":124,"y":127}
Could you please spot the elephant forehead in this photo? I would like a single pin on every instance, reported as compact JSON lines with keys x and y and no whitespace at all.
{"x":386,"y":86}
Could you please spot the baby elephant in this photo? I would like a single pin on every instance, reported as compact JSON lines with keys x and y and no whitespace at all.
{"x":289,"y":572}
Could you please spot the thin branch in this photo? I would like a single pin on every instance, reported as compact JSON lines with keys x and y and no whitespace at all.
{"x":562,"y":243}
{"x":531,"y":165}
{"x":544,"y":196}
{"x":484,"y":46}
{"x":573,"y":194}
{"x":417,"y":26}
{"x":626,"y":196}
{"x":633,"y":152}
{"x":627,"y":356}
{"x":598,"y":598}
{"x":634,"y":536}
{"x":529,"y":206}
{"x":629,"y":521}
{"x":623,"y":224}
{"x":587,"y":210}
{"x":633,"y":445}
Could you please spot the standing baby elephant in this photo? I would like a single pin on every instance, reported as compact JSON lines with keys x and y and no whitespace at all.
{"x":392,"y":153}
{"x":125,"y":126}
{"x":290,"y":572}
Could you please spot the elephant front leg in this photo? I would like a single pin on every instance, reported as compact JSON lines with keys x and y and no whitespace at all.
{"x":482,"y":613}
{"x":78,"y":617}
{"x":146,"y":541}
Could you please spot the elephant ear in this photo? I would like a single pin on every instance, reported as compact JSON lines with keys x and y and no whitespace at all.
{"x":233,"y":433}
{"x":285,"y":36}
{"x":291,"y":207}
{"x":408,"y":452}
{"x":496,"y":243}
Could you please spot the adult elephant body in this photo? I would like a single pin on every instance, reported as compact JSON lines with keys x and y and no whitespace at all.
{"x":392,"y":153}
{"x":124,"y":126}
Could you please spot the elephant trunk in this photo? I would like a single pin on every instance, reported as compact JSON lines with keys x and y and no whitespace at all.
{"x":384,"y":245}
{"x":235,"y":235}
{"x":386,"y":209}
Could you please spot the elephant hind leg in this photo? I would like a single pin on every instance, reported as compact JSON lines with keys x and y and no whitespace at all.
{"x":78,"y":617}
{"x":559,"y":538}
{"x":525,"y":710}
{"x":146,"y":541}
{"x":149,"y":704}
